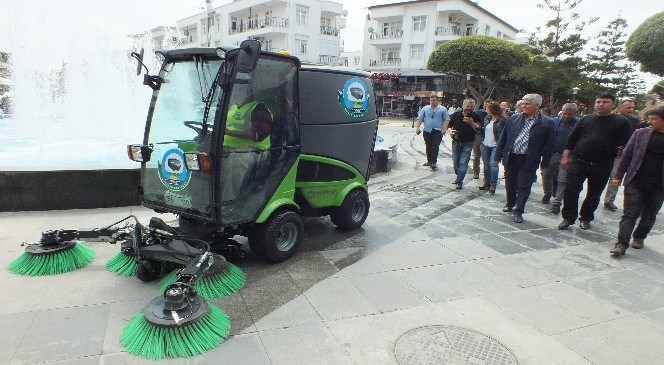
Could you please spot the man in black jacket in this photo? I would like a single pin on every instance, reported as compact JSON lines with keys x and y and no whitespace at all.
{"x":463,"y":124}
{"x":526,"y":142}
{"x":595,"y":140}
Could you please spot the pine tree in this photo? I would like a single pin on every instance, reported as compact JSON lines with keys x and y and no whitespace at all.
{"x":561,"y":45}
{"x":605,"y":63}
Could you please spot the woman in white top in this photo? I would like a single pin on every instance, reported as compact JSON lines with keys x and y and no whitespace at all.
{"x":491,"y":131}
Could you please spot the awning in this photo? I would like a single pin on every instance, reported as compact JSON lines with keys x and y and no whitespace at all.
{"x":407,"y":72}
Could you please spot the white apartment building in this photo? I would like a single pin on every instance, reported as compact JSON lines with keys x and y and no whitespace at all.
{"x":401,"y":36}
{"x":309,"y":29}
{"x":351,"y":59}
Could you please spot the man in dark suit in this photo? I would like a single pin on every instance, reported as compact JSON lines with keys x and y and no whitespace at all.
{"x":526,"y":142}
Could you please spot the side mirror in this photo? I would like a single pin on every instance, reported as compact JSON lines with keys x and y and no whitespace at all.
{"x":248,"y":56}
{"x":139,"y":57}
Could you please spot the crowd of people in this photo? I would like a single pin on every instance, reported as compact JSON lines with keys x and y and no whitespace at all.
{"x":607,"y":147}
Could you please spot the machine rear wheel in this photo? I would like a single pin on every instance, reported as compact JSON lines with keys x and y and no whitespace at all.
{"x":353,"y":211}
{"x":148,"y":270}
{"x":278,"y":238}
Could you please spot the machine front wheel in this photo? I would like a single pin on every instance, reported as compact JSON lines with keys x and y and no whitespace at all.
{"x":278,"y":238}
{"x":353,"y":211}
{"x":148,"y":270}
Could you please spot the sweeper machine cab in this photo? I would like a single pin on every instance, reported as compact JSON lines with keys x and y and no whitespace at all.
{"x":246,"y":142}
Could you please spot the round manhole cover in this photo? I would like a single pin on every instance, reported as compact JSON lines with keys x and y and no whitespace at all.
{"x":450,"y":345}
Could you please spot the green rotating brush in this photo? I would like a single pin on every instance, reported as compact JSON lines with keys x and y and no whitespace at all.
{"x":221,"y":279}
{"x":55,"y":253}
{"x":179,"y":324}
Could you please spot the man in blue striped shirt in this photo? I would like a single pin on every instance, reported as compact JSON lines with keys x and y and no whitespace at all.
{"x":434,"y":116}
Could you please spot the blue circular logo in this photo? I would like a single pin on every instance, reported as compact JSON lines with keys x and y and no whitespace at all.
{"x":354,"y":98}
{"x":173,"y":172}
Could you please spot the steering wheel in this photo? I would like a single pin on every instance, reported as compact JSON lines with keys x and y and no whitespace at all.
{"x":197,"y":126}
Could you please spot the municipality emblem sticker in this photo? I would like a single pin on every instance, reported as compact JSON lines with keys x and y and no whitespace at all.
{"x":173,"y":173}
{"x":354,"y":99}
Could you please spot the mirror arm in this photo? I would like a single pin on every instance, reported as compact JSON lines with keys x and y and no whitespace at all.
{"x":138,"y":58}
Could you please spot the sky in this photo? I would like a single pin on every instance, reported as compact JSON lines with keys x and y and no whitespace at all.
{"x":131,"y":16}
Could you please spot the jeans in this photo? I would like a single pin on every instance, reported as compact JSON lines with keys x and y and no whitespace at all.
{"x":578,"y":172}
{"x":638,"y":201}
{"x":477,"y":153}
{"x":518,"y":182}
{"x":461,"y":156}
{"x":490,"y":165}
{"x":432,"y":143}
{"x":612,"y":190}
{"x":553,"y":179}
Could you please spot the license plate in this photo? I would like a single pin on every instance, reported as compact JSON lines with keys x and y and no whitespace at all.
{"x":172,"y":198}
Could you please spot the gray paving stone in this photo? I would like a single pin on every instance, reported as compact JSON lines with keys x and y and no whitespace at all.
{"x":516,"y":271}
{"x":413,"y":253}
{"x":526,"y":239}
{"x":338,"y":298}
{"x":65,"y":333}
{"x":628,"y":340}
{"x":12,"y":331}
{"x":296,"y":312}
{"x":452,"y":281}
{"x":605,"y":288}
{"x":315,"y":344}
{"x":501,"y":244}
{"x":468,"y":247}
{"x":387,"y":292}
{"x":534,"y":310}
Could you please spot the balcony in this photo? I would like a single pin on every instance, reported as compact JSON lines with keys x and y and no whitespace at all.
{"x":454,"y":31}
{"x":329,"y":31}
{"x":385,"y":62}
{"x":328,"y":60}
{"x":259,"y":24}
{"x":391,"y":35}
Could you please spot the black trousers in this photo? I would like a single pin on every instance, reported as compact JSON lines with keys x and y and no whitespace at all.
{"x":643,"y":202}
{"x":518,"y":182}
{"x":432,"y":143}
{"x":577,"y":173}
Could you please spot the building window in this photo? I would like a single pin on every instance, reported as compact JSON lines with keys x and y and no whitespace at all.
{"x":301,"y":46}
{"x":390,"y":28}
{"x":419,"y":23}
{"x":416,"y":51}
{"x":499,"y":34}
{"x":301,"y":16}
{"x":389,"y":53}
{"x":487,"y":30}
{"x":356,"y":61}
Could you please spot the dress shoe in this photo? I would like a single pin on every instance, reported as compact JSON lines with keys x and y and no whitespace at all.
{"x":564,"y":225}
{"x":610,"y":206}
{"x":555,"y":208}
{"x":484,"y":187}
{"x":426,"y":164}
{"x":433,"y":166}
{"x":507,"y":209}
{"x":492,"y":190}
{"x":618,"y":250}
{"x":518,"y":218}
{"x":546,"y":198}
{"x":459,"y":186}
{"x":476,"y":175}
{"x":584,"y":225}
{"x":637,"y":243}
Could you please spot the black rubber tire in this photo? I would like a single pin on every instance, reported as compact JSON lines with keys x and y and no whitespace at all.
{"x":279,"y":238}
{"x":353,"y":211}
{"x":147,"y":271}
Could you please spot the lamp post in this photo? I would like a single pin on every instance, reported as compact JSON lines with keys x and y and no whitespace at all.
{"x":575,"y":91}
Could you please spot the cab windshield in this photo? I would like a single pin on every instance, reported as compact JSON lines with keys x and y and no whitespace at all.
{"x":179,"y":124}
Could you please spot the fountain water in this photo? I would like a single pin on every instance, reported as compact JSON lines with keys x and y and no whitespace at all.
{"x":77,"y":101}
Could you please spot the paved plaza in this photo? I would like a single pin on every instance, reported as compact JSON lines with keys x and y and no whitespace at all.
{"x":435,"y":276}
